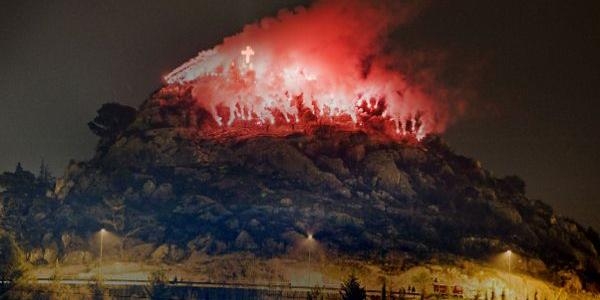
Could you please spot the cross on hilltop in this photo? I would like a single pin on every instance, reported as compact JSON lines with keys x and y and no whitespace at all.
{"x":247,"y":53}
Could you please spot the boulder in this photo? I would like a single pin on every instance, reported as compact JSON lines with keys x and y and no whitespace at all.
{"x":164,"y":192}
{"x":381,"y":167}
{"x":160,"y":253}
{"x":244,"y":241}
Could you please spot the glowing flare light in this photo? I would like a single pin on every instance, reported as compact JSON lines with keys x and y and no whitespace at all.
{"x":322,"y":64}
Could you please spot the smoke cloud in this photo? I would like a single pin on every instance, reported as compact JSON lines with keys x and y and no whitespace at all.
{"x":332,"y":60}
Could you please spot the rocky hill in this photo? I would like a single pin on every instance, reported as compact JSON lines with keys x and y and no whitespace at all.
{"x":172,"y":185}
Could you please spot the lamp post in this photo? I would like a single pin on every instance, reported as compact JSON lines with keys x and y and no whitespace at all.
{"x":310,"y":239}
{"x":509,"y":254}
{"x":102,"y":232}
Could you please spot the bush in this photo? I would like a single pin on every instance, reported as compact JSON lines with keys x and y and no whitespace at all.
{"x":15,"y":280}
{"x":352,"y":290}
{"x":315,"y":293}
{"x":97,"y":289}
{"x":57,"y":289}
{"x":158,"y":288}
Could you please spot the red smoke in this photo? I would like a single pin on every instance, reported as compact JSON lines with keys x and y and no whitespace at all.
{"x":327,"y":63}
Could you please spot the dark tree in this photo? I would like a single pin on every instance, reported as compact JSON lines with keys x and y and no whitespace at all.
{"x":19,"y":183}
{"x":352,"y":290}
{"x":111,"y":120}
{"x":44,"y":175}
{"x":45,"y":180}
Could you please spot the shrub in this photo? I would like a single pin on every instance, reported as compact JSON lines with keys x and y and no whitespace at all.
{"x":15,"y":281}
{"x":158,"y":288}
{"x":352,"y":290}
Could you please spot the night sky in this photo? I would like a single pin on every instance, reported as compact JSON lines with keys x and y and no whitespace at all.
{"x":533,"y":112}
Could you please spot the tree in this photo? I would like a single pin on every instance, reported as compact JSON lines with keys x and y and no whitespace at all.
{"x":14,"y":272}
{"x":352,"y":290}
{"x":97,"y":289}
{"x":19,"y":182}
{"x":12,"y":260}
{"x":44,"y":180}
{"x":58,"y":290}
{"x":111,"y":120}
{"x":158,"y":285}
{"x":383,"y":281}
{"x":44,"y":174}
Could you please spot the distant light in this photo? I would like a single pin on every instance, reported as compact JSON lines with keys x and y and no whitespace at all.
{"x":102,"y":230}
{"x":310,"y":236}
{"x":508,"y":252}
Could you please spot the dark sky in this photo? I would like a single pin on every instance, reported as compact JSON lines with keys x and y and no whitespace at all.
{"x":535,"y":113}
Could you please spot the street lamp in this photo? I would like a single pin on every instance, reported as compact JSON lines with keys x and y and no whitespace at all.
{"x":509,"y":254}
{"x":310,"y":239}
{"x":102,"y":232}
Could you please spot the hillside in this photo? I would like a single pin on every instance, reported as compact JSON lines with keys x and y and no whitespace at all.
{"x":171,"y":185}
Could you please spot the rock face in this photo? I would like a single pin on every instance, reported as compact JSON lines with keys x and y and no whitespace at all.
{"x":165,"y":181}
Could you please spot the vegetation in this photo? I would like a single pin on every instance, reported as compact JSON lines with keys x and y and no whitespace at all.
{"x":15,"y":282}
{"x":25,"y":200}
{"x":170,"y":191}
{"x":58,"y":290}
{"x":111,"y":120}
{"x":158,"y":288}
{"x":316,"y":293}
{"x":352,"y":290}
{"x":97,"y":289}
{"x":22,"y":183}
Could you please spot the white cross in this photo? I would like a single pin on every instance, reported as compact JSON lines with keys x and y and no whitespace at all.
{"x":247,"y":53}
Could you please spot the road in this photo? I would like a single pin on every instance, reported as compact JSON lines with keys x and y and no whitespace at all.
{"x":198,"y":284}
